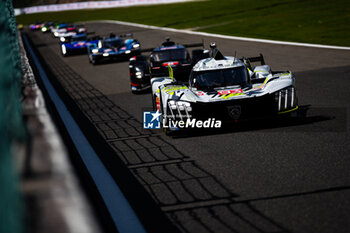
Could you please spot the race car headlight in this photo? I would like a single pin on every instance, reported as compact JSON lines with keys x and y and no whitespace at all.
{"x":99,"y":44}
{"x":127,"y":51}
{"x":56,"y":34}
{"x":135,"y":46}
{"x":62,"y":39}
{"x":286,"y":99}
{"x":94,"y":51}
{"x":44,"y":29}
{"x":138,"y":72}
{"x":172,"y":104}
{"x":180,"y":108}
{"x":106,"y":54}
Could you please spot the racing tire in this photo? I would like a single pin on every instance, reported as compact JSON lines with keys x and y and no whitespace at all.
{"x":154,"y":104}
{"x":135,"y":92}
{"x":94,"y":61}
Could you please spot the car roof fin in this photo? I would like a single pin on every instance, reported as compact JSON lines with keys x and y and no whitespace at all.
{"x":217,"y":55}
{"x":168,"y":42}
{"x":171,"y":73}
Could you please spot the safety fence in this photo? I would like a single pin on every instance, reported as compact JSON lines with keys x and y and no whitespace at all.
{"x":11,"y":125}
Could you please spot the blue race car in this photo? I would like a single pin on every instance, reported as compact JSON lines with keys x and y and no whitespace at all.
{"x":77,"y":44}
{"x":113,"y":47}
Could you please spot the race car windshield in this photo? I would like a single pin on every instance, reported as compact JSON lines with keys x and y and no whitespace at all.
{"x":79,"y":38}
{"x":113,"y":43}
{"x":169,"y":55}
{"x":220,"y":78}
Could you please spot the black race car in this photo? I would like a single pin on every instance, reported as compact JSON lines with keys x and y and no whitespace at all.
{"x":168,"y":54}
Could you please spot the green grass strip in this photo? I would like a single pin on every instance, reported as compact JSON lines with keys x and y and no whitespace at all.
{"x":308,"y":21}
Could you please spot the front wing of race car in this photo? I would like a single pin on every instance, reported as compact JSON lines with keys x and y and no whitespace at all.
{"x":268,"y":105}
{"x":269,"y":99}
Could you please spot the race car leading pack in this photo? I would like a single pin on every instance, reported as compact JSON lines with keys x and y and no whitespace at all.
{"x":225,"y":89}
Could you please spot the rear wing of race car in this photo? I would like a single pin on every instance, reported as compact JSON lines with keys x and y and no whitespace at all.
{"x":67,"y":39}
{"x":112,"y":35}
{"x":126,"y":35}
{"x":184,"y":45}
{"x":256,"y":59}
{"x":146,"y":50}
{"x":94,"y":38}
{"x":194,"y":45}
{"x":249,"y":60}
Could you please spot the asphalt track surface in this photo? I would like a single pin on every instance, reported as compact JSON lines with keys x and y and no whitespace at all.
{"x":261,"y":176}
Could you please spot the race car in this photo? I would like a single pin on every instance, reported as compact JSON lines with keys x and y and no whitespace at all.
{"x":61,"y":27}
{"x":113,"y":47}
{"x":168,"y":53}
{"x":47,"y":27}
{"x":67,"y":30}
{"x":77,"y":44}
{"x":224,"y":89}
{"x":36,"y":26}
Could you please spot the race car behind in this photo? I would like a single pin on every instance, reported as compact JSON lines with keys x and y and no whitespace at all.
{"x":77,"y":44}
{"x":168,"y":54}
{"x":113,"y":48}
{"x":67,"y":30}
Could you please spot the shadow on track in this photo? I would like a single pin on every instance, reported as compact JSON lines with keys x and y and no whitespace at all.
{"x":333,"y":119}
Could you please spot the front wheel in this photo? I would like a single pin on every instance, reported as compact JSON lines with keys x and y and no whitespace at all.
{"x":94,"y":61}
{"x":154,"y":103}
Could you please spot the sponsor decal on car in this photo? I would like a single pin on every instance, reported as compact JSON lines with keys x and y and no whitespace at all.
{"x":225,"y":92}
{"x":234,"y":111}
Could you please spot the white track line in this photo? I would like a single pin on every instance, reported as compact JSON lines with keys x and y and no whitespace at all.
{"x":223,"y":36}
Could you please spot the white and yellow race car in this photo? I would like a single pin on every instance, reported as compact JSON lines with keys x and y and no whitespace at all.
{"x":223,"y":88}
